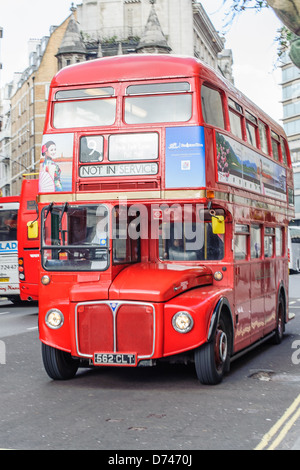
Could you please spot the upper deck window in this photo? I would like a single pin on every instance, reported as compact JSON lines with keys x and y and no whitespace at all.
{"x":158,"y":108}
{"x":283,"y":151}
{"x":251,"y":126}
{"x":263,"y":137}
{"x":235,"y":118}
{"x":85,"y":107}
{"x":275,"y":145}
{"x":212,"y":107}
{"x":152,"y":88}
{"x":85,"y":113}
{"x":84,"y":93}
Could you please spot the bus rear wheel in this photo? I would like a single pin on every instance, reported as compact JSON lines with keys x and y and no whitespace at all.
{"x":58,"y":364}
{"x":212,"y":359}
{"x":279,"y":331}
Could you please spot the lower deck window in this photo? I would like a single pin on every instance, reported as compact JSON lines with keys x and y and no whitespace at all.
{"x":184,"y":241}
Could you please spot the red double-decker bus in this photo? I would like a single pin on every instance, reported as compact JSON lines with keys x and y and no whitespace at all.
{"x":19,"y":255}
{"x":165,"y":196}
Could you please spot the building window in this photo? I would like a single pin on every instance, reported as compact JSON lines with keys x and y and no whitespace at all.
{"x":290,"y":73}
{"x":291,"y":91}
{"x":297,"y":204}
{"x":292,"y":127}
{"x":291,"y":109}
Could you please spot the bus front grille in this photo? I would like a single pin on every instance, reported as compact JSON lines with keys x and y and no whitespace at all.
{"x":112,"y":327}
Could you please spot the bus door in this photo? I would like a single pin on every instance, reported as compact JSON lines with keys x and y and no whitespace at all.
{"x":242,"y":286}
{"x":269,"y":279}
{"x":257,"y":283}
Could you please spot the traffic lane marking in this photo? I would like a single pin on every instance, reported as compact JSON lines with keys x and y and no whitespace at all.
{"x":285,"y":422}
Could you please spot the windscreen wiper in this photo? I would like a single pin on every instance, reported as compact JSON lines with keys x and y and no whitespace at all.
{"x":64,"y":209}
{"x":48,"y":209}
{"x":63,"y":232}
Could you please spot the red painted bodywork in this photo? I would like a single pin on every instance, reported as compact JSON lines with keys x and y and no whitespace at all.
{"x":28,"y":250}
{"x":157,"y":289}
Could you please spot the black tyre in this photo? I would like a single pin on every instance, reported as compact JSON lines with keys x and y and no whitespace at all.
{"x":212,"y":359}
{"x":280,"y":322}
{"x":58,"y":364}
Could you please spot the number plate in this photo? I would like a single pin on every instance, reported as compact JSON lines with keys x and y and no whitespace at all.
{"x":4,"y":279}
{"x":114,"y":359}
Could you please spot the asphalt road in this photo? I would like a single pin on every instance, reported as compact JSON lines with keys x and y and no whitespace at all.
{"x":162,"y":409}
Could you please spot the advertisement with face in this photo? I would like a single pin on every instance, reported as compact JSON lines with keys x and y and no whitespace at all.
{"x":56,"y":163}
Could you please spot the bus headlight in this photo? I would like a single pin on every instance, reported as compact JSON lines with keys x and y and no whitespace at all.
{"x":218,"y":276}
{"x":182,"y":322}
{"x":54,"y":318}
{"x":45,"y":280}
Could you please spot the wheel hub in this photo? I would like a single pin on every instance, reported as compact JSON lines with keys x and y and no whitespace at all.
{"x":220,"y":347}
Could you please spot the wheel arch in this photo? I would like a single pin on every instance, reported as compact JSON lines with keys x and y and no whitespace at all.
{"x":222,"y":308}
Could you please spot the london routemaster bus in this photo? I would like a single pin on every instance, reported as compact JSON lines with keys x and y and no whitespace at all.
{"x":18,"y":257}
{"x":165,"y":196}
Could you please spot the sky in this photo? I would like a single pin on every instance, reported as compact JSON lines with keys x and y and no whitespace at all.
{"x":251,"y":38}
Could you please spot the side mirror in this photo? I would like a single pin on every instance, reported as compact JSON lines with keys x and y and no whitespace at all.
{"x":218,"y":224}
{"x":32,"y":229}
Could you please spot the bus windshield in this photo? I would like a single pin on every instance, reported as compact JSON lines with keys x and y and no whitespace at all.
{"x":8,"y":224}
{"x":75,"y":238}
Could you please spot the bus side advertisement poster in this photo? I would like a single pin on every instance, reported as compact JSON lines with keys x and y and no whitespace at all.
{"x":185,"y":157}
{"x":241,"y":166}
{"x":56,"y":163}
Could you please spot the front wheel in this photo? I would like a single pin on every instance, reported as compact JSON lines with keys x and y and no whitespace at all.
{"x":212,"y":359}
{"x":58,"y":364}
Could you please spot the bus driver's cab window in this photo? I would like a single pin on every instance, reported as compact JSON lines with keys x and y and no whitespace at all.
{"x":192,"y":240}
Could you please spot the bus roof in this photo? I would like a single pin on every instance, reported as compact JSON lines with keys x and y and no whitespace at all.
{"x":127,"y":67}
{"x":146,"y":67}
{"x":9,"y":199}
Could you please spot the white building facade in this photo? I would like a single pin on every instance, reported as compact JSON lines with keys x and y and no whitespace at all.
{"x":184,"y":23}
{"x":291,"y":121}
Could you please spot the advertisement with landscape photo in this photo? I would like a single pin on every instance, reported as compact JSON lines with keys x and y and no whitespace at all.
{"x":241,"y":166}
